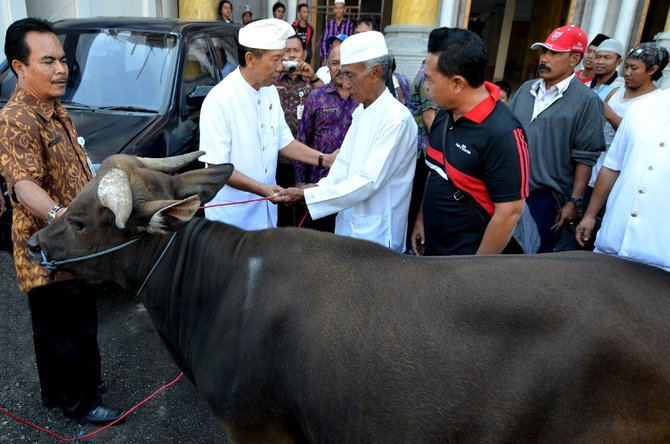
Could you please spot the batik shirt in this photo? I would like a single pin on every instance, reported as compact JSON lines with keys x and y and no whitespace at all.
{"x":345,"y":27}
{"x":421,"y":102}
{"x":292,"y":94}
{"x":38,"y":142}
{"x":325,"y":121}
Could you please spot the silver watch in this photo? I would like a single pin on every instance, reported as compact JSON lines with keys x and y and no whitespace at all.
{"x":51,"y":215}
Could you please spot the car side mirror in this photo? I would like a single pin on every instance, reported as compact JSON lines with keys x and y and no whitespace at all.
{"x":195,"y":98}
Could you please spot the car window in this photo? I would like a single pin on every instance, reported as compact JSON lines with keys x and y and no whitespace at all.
{"x":199,"y":69}
{"x":117,"y":68}
{"x":7,"y":82}
{"x":225,"y":53}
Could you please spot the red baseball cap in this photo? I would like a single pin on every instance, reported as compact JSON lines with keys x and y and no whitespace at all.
{"x":564,"y":39}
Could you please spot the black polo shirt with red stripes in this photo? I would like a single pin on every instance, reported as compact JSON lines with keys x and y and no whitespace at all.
{"x":485,"y":155}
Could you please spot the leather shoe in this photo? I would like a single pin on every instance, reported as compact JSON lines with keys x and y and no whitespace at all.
{"x":102,"y":387}
{"x":102,"y":415}
{"x":51,"y":402}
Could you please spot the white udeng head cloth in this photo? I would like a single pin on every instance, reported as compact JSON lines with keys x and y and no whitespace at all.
{"x":362,"y":47}
{"x":266,"y":34}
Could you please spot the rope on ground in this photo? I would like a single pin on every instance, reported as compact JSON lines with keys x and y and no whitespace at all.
{"x":78,"y":438}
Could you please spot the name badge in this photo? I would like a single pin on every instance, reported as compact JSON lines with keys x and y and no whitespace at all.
{"x":298,"y":111}
{"x":330,"y":110}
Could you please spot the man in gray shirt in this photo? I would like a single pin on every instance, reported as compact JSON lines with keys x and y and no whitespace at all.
{"x":561,"y":117}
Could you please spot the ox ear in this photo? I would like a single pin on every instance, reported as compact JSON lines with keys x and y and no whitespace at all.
{"x":163,"y":216}
{"x":204,"y":182}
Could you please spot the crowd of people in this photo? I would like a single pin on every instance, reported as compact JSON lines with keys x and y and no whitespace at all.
{"x":448,"y":165}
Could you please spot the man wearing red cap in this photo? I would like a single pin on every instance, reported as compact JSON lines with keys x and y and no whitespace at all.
{"x":559,"y":114}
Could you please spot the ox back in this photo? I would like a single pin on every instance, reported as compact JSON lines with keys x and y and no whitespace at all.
{"x":298,"y":336}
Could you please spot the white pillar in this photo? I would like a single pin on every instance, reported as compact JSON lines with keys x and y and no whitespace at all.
{"x":597,"y":21}
{"x":448,"y":13}
{"x":10,"y":11}
{"x":270,"y":4}
{"x":503,"y":44}
{"x":291,"y":9}
{"x":624,"y":23}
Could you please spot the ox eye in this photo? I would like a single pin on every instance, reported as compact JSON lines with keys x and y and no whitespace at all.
{"x":77,"y":224}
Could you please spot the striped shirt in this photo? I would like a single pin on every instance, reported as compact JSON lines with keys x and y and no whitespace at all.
{"x":332,"y":28}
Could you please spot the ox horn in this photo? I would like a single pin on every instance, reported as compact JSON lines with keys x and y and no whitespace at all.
{"x":114,"y":193}
{"x":169,"y":164}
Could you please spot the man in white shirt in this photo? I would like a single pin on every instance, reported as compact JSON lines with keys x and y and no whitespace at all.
{"x":370,"y":183}
{"x":242,"y":123}
{"x":635,"y":176}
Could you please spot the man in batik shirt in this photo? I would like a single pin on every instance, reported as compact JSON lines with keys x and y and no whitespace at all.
{"x":324,"y":124}
{"x":294,"y":84}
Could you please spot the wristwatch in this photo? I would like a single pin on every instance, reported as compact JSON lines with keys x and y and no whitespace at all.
{"x":51,"y":215}
{"x":578,"y":201}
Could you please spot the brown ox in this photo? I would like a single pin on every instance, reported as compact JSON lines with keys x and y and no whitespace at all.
{"x":297,"y":336}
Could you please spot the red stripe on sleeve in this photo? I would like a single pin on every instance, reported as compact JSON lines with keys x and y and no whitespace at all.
{"x":522,"y":148}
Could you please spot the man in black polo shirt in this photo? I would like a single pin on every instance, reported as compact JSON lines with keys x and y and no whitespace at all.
{"x":477,"y":154}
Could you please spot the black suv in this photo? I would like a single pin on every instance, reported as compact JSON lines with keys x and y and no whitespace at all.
{"x":136,"y":85}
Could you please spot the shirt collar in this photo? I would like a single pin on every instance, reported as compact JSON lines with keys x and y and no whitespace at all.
{"x":560,"y":86}
{"x":485,"y":107}
{"x":40,"y":106}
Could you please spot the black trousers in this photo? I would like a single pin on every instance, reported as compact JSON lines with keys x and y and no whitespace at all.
{"x":65,"y":334}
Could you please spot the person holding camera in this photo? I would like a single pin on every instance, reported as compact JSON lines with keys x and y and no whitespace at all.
{"x":252,"y":143}
{"x":293,"y":84}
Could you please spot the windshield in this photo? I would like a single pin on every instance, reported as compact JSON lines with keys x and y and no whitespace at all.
{"x":115,"y":68}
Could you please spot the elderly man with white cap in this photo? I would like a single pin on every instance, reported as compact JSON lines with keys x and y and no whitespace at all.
{"x":370,"y":183}
{"x":242,"y":123}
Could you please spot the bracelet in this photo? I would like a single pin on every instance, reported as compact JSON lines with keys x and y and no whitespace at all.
{"x":315,"y":80}
{"x":320,"y":160}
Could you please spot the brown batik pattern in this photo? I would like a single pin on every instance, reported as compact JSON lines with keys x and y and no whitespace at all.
{"x":38,"y":142}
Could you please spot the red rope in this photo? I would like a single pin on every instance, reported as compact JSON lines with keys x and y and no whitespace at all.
{"x":202,"y":207}
{"x":60,"y":438}
{"x":147,"y":399}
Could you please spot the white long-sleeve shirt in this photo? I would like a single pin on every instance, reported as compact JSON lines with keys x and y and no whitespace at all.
{"x":637,"y":212}
{"x":245,"y":127}
{"x":370,"y":183}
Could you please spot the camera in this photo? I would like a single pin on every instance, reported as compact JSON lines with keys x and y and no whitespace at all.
{"x":290,"y":65}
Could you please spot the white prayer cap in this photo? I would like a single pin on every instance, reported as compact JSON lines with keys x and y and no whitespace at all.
{"x":362,"y":47}
{"x":338,"y":1}
{"x":266,"y":34}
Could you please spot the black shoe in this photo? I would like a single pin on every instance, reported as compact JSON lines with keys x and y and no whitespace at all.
{"x":103,"y":385}
{"x":49,"y":402}
{"x":102,"y":415}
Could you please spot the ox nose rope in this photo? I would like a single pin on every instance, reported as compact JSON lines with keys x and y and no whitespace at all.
{"x":53,"y":265}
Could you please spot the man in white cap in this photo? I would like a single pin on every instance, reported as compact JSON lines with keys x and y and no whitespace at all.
{"x":609,"y":55}
{"x":370,"y":183}
{"x":562,"y":119}
{"x":242,"y":122}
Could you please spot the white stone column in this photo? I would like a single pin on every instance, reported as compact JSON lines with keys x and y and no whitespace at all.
{"x":503,"y":44}
{"x":448,"y":13}
{"x":291,"y":10}
{"x":597,"y":20}
{"x":407,"y":36}
{"x":663,"y":38}
{"x":10,"y":11}
{"x":624,"y":23}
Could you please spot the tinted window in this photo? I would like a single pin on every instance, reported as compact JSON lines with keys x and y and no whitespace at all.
{"x":121,"y":68}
